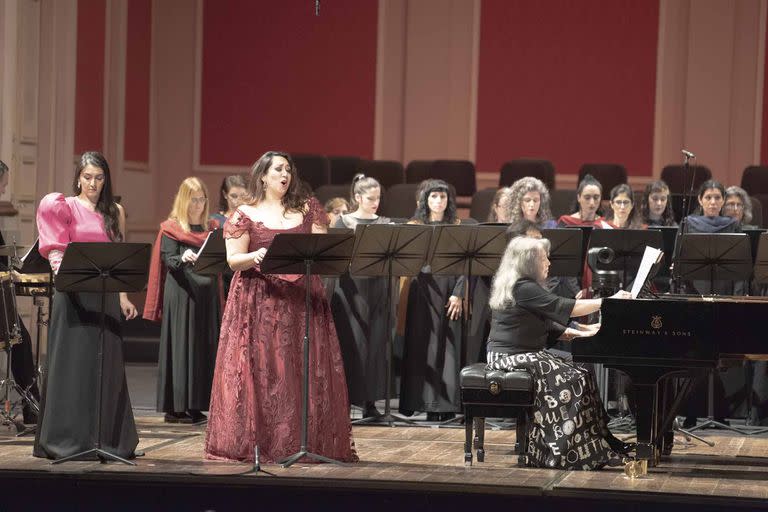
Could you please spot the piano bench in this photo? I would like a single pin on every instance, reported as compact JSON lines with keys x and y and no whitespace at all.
{"x":494,"y":394}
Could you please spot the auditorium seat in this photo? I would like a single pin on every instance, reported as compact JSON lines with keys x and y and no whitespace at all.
{"x":519,"y":168}
{"x":754,"y":179}
{"x":314,"y":169}
{"x":327,"y":192}
{"x":344,"y":168}
{"x":481,"y":204}
{"x":758,"y":214}
{"x":399,"y":200}
{"x":672,"y":175}
{"x":562,"y":202}
{"x":386,"y":172}
{"x":459,"y":173}
{"x":609,"y":175}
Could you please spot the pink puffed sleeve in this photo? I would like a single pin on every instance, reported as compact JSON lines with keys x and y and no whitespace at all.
{"x":237,"y":225}
{"x":54,"y":220}
{"x":316,"y":213}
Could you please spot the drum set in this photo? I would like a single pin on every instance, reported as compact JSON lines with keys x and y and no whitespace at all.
{"x":24,"y":278}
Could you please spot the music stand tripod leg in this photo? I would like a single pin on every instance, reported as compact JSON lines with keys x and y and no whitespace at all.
{"x":303,"y":450}
{"x":103,"y":455}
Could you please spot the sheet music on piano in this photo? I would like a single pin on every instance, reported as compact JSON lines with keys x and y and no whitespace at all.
{"x":651,"y":257}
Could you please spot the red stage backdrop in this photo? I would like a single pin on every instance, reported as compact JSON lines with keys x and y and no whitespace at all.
{"x":275,"y":76}
{"x":89,"y":95}
{"x":572,"y":81}
{"x":137,"y":76}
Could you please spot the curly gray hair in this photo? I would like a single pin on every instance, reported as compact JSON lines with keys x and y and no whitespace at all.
{"x":741,"y":194}
{"x":522,"y":187}
{"x":520,"y":259}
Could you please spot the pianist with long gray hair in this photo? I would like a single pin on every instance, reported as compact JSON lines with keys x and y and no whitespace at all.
{"x":569,"y":428}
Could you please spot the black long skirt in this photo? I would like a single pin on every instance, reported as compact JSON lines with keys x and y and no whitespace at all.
{"x":359,"y":307}
{"x":432,"y":351}
{"x":570,"y":425}
{"x":189,"y":339}
{"x":69,"y":421}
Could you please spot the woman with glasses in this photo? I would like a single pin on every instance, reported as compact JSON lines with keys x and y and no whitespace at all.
{"x":623,"y":214}
{"x":738,"y":205}
{"x":189,"y":306}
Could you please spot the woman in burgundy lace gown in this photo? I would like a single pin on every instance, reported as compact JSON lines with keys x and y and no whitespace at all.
{"x":256,"y":396}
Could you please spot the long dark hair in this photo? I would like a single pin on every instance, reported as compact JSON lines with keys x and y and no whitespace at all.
{"x":706,"y":186}
{"x":236,"y":180}
{"x":633,"y":221}
{"x":106,"y":205}
{"x":297,"y":196}
{"x":422,"y":208}
{"x":656,"y":187}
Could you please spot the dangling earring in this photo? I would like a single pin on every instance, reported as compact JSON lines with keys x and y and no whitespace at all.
{"x":79,"y":187}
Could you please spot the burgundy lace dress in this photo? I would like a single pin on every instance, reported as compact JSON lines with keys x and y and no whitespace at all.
{"x":256,"y":396}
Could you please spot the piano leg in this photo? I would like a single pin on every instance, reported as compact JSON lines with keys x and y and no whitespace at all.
{"x":646,"y":395}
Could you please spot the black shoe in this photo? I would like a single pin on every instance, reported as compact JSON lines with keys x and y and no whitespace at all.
{"x":177,"y":417}
{"x":196,"y":416}
{"x":445,"y":416}
{"x":433,"y":416}
{"x":619,"y":446}
{"x":370,"y":411}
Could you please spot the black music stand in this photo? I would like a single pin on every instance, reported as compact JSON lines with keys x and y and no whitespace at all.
{"x":761,"y":260}
{"x":714,"y":257}
{"x":668,"y":238}
{"x":102,"y":267}
{"x":472,"y":250}
{"x":628,"y":247}
{"x":387,"y":250}
{"x":566,"y":252}
{"x":303,"y":253}
{"x":212,"y":256}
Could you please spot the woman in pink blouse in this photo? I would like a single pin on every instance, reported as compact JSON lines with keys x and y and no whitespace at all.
{"x":69,"y":422}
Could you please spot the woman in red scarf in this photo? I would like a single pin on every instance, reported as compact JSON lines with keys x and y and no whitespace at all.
{"x":188,"y":305}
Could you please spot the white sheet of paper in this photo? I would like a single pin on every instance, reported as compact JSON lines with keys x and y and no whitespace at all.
{"x":650,"y":257}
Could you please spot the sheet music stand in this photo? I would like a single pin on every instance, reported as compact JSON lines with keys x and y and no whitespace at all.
{"x":213,"y":258}
{"x":472,"y":250}
{"x":714,"y":257}
{"x":668,"y":237}
{"x":566,"y":252}
{"x":307,"y":253}
{"x":102,"y":267}
{"x":628,"y":246}
{"x":387,"y":250}
{"x":761,"y":260}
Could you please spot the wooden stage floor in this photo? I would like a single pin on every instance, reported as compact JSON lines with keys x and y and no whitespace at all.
{"x":410,"y":461}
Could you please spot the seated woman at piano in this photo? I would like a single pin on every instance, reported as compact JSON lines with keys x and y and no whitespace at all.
{"x":622,"y":213}
{"x":570,"y":425}
{"x":656,"y":208}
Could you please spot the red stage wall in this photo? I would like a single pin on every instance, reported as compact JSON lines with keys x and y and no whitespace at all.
{"x":572,"y":81}
{"x":275,"y":76}
{"x":137,"y":80}
{"x":89,"y":95}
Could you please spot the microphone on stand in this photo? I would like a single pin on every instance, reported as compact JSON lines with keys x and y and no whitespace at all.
{"x":687,"y":153}
{"x":317,"y":7}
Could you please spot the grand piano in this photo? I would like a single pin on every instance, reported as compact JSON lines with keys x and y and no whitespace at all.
{"x":651,"y":340}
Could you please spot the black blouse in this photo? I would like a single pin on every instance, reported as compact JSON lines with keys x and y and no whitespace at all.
{"x":535,"y":322}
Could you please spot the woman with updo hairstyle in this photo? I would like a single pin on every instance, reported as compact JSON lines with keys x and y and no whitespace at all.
{"x":257,"y":396}
{"x":587,"y":208}
{"x":656,"y":208}
{"x":359,"y":306}
{"x":432,"y":347}
{"x":622,"y":213}
{"x":232,"y":193}
{"x":526,"y":319}
{"x":188,"y":306}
